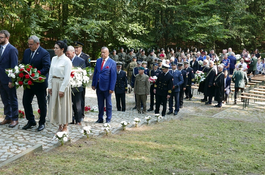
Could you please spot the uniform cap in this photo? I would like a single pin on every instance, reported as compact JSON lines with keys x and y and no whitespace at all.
{"x":139,"y":62}
{"x":165,"y":66}
{"x":180,"y":64}
{"x":173,"y":63}
{"x":144,"y":62}
{"x":159,"y":60}
{"x":141,"y":68}
{"x":78,"y":44}
{"x":119,"y":63}
{"x":186,"y":62}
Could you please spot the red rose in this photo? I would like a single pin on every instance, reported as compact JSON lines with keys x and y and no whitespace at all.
{"x":86,"y":108}
{"x":30,"y":66}
{"x":39,"y":111}
{"x":21,"y":75}
{"x":104,"y":108}
{"x":29,"y":82}
{"x":20,"y":83}
{"x":33,"y":75}
{"x":28,"y":69}
{"x":19,"y":111}
{"x":72,"y":74}
{"x":23,"y":113}
{"x":21,"y":69}
{"x":38,"y":72}
{"x":40,"y":78}
{"x":27,"y":76}
{"x":89,"y":108}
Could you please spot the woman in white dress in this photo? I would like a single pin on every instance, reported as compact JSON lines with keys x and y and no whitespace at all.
{"x":59,"y":88}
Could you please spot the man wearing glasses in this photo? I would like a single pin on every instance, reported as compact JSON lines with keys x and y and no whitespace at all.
{"x":8,"y":59}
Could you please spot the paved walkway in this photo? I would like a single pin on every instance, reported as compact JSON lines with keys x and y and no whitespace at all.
{"x":15,"y":141}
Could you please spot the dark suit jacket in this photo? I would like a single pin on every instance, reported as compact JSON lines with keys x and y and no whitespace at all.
{"x":85,"y":57}
{"x":105,"y":78}
{"x":41,"y":61}
{"x":121,"y":83}
{"x":9,"y":59}
{"x":195,"y":66}
{"x":78,"y":62}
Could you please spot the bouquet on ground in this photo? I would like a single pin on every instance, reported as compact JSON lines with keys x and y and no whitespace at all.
{"x":124,"y":124}
{"x":62,"y":137}
{"x":79,"y":77}
{"x":86,"y":131}
{"x":21,"y":114}
{"x":107,"y":128}
{"x":136,"y":122}
{"x":152,"y":79}
{"x":147,"y":118}
{"x":25,"y":75}
{"x":199,"y":76}
{"x":87,"y":108}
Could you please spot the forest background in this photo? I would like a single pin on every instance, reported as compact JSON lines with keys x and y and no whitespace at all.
{"x":205,"y":24}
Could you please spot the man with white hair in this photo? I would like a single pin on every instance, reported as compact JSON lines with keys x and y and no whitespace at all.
{"x":76,"y":91}
{"x":219,"y":86}
{"x":208,"y":87}
{"x":243,"y":64}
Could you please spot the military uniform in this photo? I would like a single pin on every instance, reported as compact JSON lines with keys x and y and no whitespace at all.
{"x":129,"y":69}
{"x":122,"y":57}
{"x":190,"y":81}
{"x":141,"y":90}
{"x":120,"y":90}
{"x":163,"y":88}
{"x":150,"y":60}
{"x":129,"y":58}
{"x":169,"y":55}
{"x":114,"y":57}
{"x":181,"y":92}
{"x":152,"y":95}
{"x":142,"y":58}
{"x":177,"y":82}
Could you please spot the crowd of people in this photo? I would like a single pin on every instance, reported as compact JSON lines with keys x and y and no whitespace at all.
{"x":165,"y":76}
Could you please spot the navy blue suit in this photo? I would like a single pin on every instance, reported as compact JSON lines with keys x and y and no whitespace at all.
{"x":104,"y":80}
{"x":152,"y":94}
{"x":232,"y":64}
{"x":177,"y":82}
{"x":9,"y":59}
{"x":40,"y":60}
{"x":77,"y":97}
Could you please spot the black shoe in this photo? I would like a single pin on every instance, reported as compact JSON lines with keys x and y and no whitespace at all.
{"x":186,"y":97}
{"x":180,"y":106}
{"x":99,"y":121}
{"x":208,"y":103}
{"x":139,"y":112}
{"x":72,"y":123}
{"x":217,"y":106}
{"x":176,"y":113}
{"x":41,"y":127}
{"x":170,"y":112}
{"x":150,"y":109}
{"x":235,"y":103}
{"x":203,"y":100}
{"x":134,"y":107}
{"x":28,"y":126}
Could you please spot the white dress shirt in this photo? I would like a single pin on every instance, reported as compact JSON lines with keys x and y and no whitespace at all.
{"x":60,"y":67}
{"x":4,"y":47}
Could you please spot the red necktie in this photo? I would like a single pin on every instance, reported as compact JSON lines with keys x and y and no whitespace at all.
{"x":102,"y":64}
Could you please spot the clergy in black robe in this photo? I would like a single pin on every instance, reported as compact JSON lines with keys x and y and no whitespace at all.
{"x":208,"y":87}
{"x":219,"y":86}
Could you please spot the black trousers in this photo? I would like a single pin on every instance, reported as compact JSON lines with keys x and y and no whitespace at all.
{"x":161,"y":99}
{"x":41,"y":95}
{"x":152,"y":97}
{"x":181,"y":94}
{"x":77,"y":106}
{"x":188,"y":92}
{"x":236,"y":92}
{"x":83,"y":103}
{"x":120,"y":102}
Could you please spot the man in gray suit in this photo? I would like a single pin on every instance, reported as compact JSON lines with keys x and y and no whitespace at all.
{"x":240,"y":80}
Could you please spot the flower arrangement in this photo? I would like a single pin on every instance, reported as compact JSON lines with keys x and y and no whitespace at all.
{"x":199,"y":76}
{"x":147,"y":118}
{"x":78,"y":77}
{"x":136,"y":122}
{"x":152,"y":79}
{"x":107,"y":128}
{"x":91,"y":109}
{"x":87,"y":108}
{"x":124,"y":124}
{"x":21,"y":114}
{"x":62,"y":137}
{"x":158,"y":116}
{"x":25,"y":75}
{"x":86,"y":131}
{"x":200,"y":62}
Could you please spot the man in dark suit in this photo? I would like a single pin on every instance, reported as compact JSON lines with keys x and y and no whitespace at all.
{"x":76,"y":91}
{"x":79,"y":52}
{"x":182,"y":86}
{"x":38,"y":57}
{"x":208,"y":86}
{"x":120,"y":88}
{"x":104,"y":80}
{"x":227,"y":85}
{"x":190,"y":80}
{"x":8,"y":59}
{"x":194,"y":64}
{"x":163,"y":89}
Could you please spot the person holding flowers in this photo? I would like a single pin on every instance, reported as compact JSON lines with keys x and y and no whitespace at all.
{"x":39,"y":58}
{"x":8,"y":59}
{"x":59,"y":88}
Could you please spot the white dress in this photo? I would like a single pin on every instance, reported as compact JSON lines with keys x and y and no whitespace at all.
{"x":60,"y":108}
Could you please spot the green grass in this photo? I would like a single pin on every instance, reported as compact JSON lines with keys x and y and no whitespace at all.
{"x":192,"y":145}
